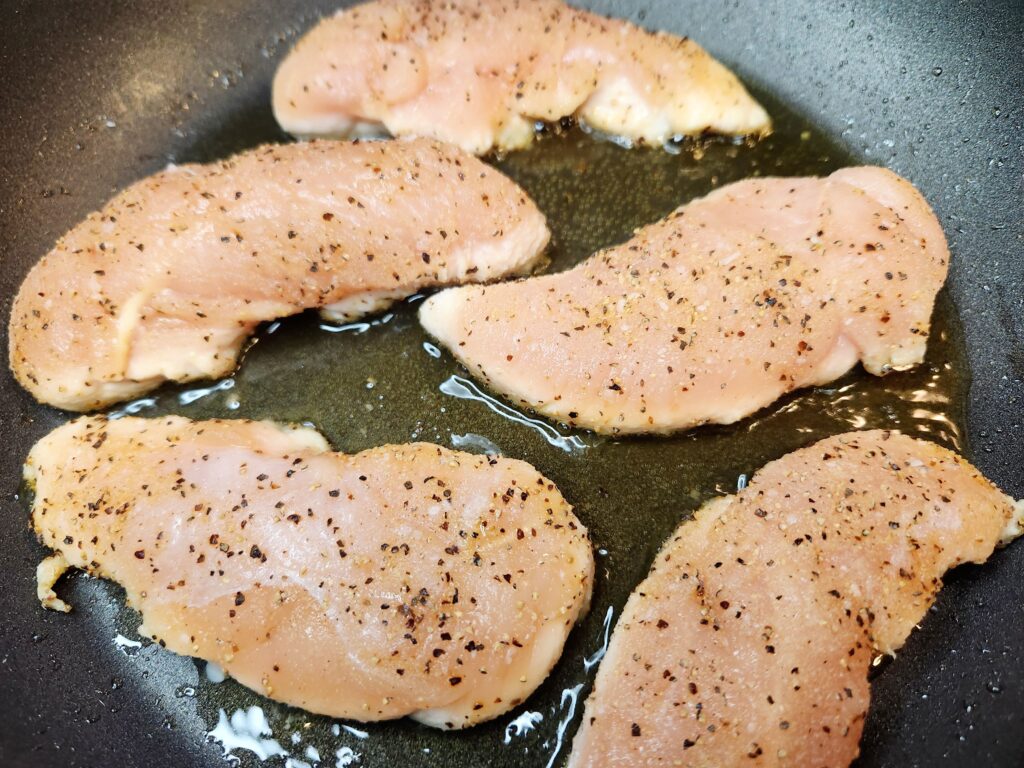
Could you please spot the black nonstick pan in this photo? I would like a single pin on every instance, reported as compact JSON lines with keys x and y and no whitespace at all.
{"x":94,"y":95}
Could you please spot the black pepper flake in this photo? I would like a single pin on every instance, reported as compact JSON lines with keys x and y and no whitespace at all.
{"x":454,"y":680}
{"x":140,"y":553}
{"x":634,"y":730}
{"x":239,"y":598}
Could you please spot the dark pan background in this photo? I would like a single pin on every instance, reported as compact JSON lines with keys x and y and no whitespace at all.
{"x":932,"y":90}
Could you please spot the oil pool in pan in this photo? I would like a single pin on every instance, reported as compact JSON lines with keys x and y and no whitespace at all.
{"x":382,"y":381}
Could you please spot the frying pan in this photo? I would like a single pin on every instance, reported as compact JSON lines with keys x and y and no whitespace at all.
{"x":97,"y":94}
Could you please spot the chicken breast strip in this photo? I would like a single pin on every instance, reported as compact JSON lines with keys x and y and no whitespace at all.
{"x":762,"y":287}
{"x":481,"y":73}
{"x":403,"y":580}
{"x":750,"y":641}
{"x":169,"y":279}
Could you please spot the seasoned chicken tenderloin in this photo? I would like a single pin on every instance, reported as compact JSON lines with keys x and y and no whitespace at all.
{"x":481,"y":73}
{"x":762,"y":287}
{"x":403,"y":580}
{"x":169,"y":279}
{"x":750,"y":641}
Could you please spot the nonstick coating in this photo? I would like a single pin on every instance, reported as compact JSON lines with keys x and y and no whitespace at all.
{"x":94,"y":95}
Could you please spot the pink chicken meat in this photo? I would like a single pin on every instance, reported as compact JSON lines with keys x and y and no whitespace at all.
{"x":403,"y":580}
{"x":170,"y":278}
{"x":762,"y":287}
{"x":750,"y":641}
{"x":480,"y":73}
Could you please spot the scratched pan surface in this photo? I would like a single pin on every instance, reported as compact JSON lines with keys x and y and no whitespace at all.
{"x":94,"y":95}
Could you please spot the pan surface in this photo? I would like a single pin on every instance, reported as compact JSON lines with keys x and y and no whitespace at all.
{"x":97,"y":94}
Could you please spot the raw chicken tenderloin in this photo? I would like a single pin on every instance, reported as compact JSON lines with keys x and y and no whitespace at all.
{"x":169,"y":279}
{"x":403,"y":580}
{"x":762,"y":287}
{"x":481,"y":73}
{"x":750,"y":641}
